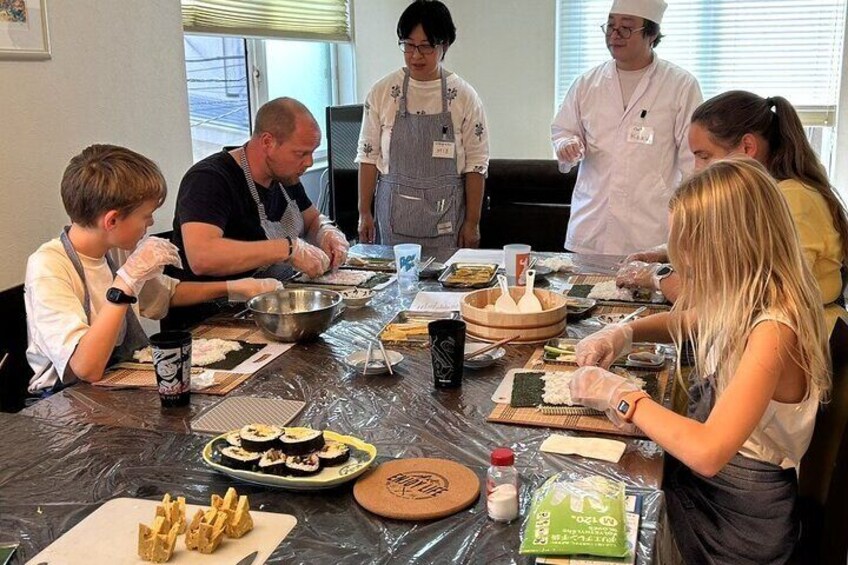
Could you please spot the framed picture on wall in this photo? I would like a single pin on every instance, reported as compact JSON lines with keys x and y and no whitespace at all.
{"x":23,"y":29}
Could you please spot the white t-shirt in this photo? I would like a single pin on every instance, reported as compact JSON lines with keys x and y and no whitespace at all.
{"x":54,"y":297}
{"x":628,"y":81}
{"x":424,"y":97}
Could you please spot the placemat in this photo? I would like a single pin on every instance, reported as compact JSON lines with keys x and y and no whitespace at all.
{"x":146,"y":378}
{"x":417,"y":489}
{"x":506,"y":414}
{"x":237,"y":411}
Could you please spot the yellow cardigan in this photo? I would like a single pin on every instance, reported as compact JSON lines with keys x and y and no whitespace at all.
{"x":820,"y":242}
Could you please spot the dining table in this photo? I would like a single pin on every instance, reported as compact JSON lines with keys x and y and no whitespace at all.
{"x":68,"y":454}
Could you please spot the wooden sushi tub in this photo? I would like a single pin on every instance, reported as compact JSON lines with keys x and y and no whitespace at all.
{"x":488,"y":325}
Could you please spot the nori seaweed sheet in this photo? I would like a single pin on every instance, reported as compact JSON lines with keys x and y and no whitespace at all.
{"x":527,"y":389}
{"x":236,"y":358}
{"x":581,"y":290}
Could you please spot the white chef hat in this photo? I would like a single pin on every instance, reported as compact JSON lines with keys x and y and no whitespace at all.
{"x":649,"y":9}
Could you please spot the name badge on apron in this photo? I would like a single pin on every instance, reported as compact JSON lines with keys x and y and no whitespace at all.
{"x":640,"y":134}
{"x":443,"y":149}
{"x":445,"y":228}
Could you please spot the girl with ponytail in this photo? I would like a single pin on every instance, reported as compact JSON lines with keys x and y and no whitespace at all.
{"x":770,"y":131}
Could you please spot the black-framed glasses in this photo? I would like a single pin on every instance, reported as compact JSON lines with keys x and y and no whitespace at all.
{"x":424,"y":48}
{"x":624,"y":32}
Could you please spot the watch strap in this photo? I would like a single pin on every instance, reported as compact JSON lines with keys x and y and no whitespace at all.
{"x":627,"y":404}
{"x":117,"y":296}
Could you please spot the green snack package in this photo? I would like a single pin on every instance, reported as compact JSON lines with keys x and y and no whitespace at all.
{"x":576,"y":516}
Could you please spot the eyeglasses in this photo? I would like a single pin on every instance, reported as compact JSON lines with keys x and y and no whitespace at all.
{"x":623,"y":31}
{"x":424,"y":48}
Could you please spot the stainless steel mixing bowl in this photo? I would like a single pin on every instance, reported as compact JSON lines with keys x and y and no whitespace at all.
{"x":298,"y":314}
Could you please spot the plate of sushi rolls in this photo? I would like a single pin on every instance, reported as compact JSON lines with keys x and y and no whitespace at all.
{"x":291,"y":458}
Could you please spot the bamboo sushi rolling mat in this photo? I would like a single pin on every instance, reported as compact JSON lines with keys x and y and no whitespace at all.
{"x":587,"y":422}
{"x":138,"y":376}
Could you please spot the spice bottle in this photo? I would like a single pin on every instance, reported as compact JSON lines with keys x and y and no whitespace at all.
{"x":502,"y":486}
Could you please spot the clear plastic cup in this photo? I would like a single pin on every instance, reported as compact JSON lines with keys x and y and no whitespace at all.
{"x":516,"y":258}
{"x":407,"y":258}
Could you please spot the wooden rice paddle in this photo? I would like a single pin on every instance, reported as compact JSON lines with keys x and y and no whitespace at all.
{"x":491,"y":347}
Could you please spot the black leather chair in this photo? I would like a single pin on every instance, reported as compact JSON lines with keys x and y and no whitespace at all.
{"x":16,"y":372}
{"x":823,"y":477}
{"x":527,"y":201}
{"x":343,"y":125}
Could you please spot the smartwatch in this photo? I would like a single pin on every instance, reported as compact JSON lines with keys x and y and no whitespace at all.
{"x":118,"y":296}
{"x":661,"y":273}
{"x":627,"y":405}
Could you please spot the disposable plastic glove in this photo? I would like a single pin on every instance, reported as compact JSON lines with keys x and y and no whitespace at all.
{"x":637,"y":274}
{"x":308,"y":259}
{"x":570,"y":150}
{"x":658,"y":254}
{"x":148,"y":261}
{"x":334,"y":244}
{"x":597,"y":388}
{"x":605,"y":346}
{"x":241,"y":290}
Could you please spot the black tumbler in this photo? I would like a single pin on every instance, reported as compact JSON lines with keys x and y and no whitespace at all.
{"x":447,"y":346}
{"x":172,"y":361}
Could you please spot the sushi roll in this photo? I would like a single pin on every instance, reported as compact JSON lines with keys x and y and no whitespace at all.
{"x":303,"y":465}
{"x":301,"y":442}
{"x":259,"y":437}
{"x":233,"y":438}
{"x":333,"y":453}
{"x":273,"y":462}
{"x":237,"y":458}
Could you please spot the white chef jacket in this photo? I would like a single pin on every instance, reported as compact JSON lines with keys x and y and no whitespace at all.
{"x":620,"y":201}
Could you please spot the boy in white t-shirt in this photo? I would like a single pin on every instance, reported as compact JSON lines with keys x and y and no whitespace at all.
{"x":85,"y":290}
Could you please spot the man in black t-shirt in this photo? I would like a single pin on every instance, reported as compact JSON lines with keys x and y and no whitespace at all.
{"x":225,"y":229}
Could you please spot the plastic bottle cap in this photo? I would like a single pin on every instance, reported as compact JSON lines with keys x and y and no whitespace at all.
{"x":503,"y":457}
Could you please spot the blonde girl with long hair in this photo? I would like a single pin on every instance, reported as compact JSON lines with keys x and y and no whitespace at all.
{"x":750,"y":305}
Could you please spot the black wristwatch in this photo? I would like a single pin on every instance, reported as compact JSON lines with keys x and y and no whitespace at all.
{"x":118,"y":296}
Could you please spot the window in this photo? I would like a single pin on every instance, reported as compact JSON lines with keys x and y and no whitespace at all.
{"x":222,"y":101}
{"x":770,"y":47}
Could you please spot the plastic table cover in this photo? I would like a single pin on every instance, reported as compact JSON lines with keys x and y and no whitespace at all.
{"x":70,"y":453}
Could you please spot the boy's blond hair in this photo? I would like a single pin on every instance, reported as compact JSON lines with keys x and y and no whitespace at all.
{"x":735,"y":244}
{"x":107,"y":177}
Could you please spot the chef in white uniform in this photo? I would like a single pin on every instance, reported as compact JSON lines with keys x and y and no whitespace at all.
{"x":626,"y":122}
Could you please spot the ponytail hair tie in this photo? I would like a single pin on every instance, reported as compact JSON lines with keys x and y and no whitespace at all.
{"x":770,"y":102}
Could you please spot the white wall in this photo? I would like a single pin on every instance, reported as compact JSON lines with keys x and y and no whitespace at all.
{"x":504,"y":49}
{"x":117,"y":76}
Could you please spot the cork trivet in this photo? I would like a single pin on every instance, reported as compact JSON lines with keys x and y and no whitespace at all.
{"x":417,"y":489}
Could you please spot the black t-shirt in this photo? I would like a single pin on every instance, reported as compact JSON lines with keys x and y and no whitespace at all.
{"x":214,"y":191}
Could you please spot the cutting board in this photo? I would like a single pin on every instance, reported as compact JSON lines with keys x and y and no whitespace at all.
{"x":109,"y":536}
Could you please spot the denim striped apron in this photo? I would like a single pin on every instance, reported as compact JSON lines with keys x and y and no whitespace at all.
{"x":422,"y":198}
{"x":290,"y":225}
{"x":745,"y":514}
{"x":131,"y":336}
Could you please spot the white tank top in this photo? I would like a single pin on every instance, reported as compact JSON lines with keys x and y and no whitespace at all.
{"x":783,"y":434}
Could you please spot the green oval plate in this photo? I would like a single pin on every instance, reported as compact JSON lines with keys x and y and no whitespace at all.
{"x":361,"y":456}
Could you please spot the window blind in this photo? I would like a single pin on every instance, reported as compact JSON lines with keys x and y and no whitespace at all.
{"x":325,"y":20}
{"x":771,"y":47}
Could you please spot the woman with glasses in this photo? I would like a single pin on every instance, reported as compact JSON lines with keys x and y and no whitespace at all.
{"x":770,"y":131}
{"x":424,"y":147}
{"x":625,"y":122}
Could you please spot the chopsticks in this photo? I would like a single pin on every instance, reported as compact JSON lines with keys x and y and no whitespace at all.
{"x":422,"y":266}
{"x":385,"y":357}
{"x":633,"y":314}
{"x":491,"y":346}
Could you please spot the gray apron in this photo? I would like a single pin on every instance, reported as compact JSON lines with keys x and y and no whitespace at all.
{"x":131,"y":336}
{"x":746,"y":513}
{"x":422,"y":198}
{"x":290,"y":225}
